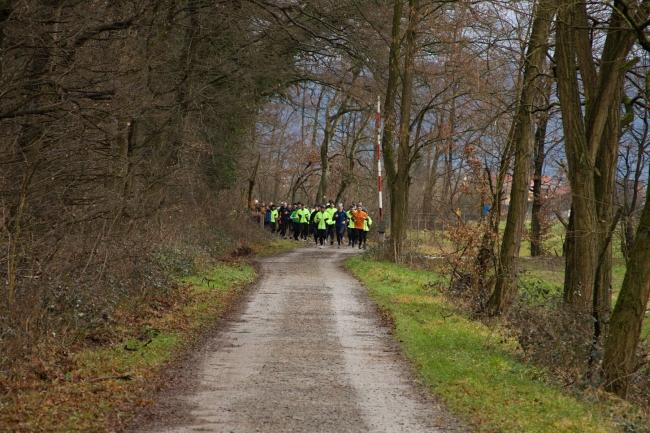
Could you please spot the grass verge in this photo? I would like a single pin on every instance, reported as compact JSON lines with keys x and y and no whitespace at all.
{"x":473,"y":368}
{"x":99,"y":387}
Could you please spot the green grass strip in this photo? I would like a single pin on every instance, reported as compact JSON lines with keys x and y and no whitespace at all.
{"x":470,"y":366}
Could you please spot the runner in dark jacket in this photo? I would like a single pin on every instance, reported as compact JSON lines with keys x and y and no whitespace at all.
{"x":341,"y":222}
{"x":285,"y":219}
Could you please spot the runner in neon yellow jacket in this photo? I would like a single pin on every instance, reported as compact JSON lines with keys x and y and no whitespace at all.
{"x":329,"y":220}
{"x":320,"y":219}
{"x":367,"y":224}
{"x":305,"y":213}
{"x":352,"y":233}
{"x":274,"y":218}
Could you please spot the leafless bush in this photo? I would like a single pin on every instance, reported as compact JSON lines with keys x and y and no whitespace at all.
{"x":554,"y":336}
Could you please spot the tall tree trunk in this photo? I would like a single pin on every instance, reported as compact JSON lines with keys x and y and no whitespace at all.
{"x":605,"y":185}
{"x":450,"y":130}
{"x":536,"y":216}
{"x":323,"y":184}
{"x":581,"y":250}
{"x":252,"y":179}
{"x":630,"y":203}
{"x":486,"y":258}
{"x":627,"y":319}
{"x":314,"y":129}
{"x":30,"y":139}
{"x":126,"y":145}
{"x":591,"y":141}
{"x":506,"y":282}
{"x":277,"y":172}
{"x":432,"y":178}
{"x":186,"y":62}
{"x":350,"y":155}
{"x":331,"y":123}
{"x":402,"y":179}
{"x":388,"y":149}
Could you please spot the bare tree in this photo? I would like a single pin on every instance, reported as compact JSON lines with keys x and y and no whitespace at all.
{"x":523,"y":140}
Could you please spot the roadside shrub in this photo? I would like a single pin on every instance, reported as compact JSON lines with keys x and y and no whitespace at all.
{"x":72,"y":300}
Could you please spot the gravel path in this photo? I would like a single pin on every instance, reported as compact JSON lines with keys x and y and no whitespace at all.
{"x":308,"y":353}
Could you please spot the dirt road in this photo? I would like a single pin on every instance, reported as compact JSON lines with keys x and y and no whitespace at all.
{"x":307,"y":354}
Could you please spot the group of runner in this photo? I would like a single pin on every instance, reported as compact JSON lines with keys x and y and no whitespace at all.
{"x":322,"y":223}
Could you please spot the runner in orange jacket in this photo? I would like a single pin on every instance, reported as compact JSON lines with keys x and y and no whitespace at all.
{"x":359,"y":217}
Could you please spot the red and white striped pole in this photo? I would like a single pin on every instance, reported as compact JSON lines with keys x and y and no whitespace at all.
{"x":378,"y":156}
